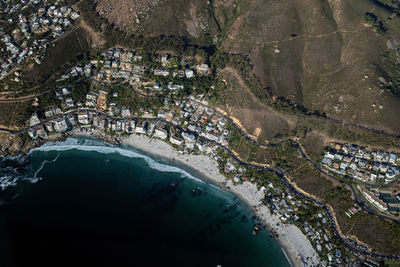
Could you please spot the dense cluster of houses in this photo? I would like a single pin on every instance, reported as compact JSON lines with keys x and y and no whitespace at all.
{"x":120,"y":120}
{"x":187,"y":123}
{"x":371,"y":166}
{"x":22,"y":42}
{"x":191,"y":115}
{"x":115,"y":63}
{"x":168,"y":69}
{"x":286,"y":206}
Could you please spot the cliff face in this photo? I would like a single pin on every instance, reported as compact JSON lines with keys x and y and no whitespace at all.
{"x":10,"y":144}
{"x":13,"y":145}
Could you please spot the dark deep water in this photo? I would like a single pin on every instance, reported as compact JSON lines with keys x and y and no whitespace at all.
{"x":96,"y":207}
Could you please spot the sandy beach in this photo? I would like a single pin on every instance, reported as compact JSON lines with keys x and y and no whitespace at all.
{"x":294,"y":243}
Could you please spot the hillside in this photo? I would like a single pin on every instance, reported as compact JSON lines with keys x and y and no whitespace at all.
{"x":280,"y":80}
{"x":322,"y":55}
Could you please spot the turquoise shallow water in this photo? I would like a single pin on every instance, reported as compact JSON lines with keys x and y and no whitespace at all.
{"x":103,"y":206}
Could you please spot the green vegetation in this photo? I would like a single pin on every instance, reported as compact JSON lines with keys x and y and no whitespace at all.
{"x":379,"y":25}
{"x":127,"y":98}
{"x":370,"y":18}
{"x":11,"y":115}
{"x":79,"y":90}
{"x":61,"y":56}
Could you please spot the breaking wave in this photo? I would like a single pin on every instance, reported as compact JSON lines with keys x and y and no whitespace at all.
{"x":96,"y":146}
{"x":32,"y":180}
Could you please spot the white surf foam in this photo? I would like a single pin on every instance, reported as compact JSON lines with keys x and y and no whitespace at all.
{"x":35,"y":178}
{"x":72,"y":144}
{"x":32,"y":180}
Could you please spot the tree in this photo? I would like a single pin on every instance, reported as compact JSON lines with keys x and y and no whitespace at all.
{"x":370,"y":18}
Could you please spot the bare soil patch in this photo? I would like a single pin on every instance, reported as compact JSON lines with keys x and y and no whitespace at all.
{"x":244,"y":106}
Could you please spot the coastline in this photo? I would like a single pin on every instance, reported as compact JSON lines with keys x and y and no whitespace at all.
{"x":295,"y":245}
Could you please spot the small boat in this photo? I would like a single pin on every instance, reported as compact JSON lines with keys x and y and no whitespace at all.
{"x":256,"y":229}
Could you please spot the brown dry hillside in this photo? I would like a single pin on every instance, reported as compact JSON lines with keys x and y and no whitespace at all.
{"x":155,"y":17}
{"x":239,"y":103}
{"x":320,"y":54}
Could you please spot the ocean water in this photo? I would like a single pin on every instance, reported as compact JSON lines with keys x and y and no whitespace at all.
{"x":83,"y":203}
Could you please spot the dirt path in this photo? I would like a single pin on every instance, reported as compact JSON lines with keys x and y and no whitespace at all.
{"x":317,"y":36}
{"x":22,"y":98}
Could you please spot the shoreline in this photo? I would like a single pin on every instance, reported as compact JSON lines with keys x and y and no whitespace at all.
{"x":296,"y":246}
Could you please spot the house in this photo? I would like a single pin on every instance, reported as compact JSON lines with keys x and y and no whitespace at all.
{"x":102,"y":100}
{"x":132,"y":126}
{"x":343,"y":165}
{"x":66,"y":90}
{"x":41,"y":132}
{"x":69,"y":102}
{"x":392,"y":158}
{"x":369,"y":166}
{"x":383,"y":167}
{"x":141,"y":128}
{"x":34,"y":119}
{"x":189,"y":139}
{"x":338,"y":156}
{"x":330,"y":155}
{"x":203,"y":69}
{"x":100,"y":122}
{"x":120,"y":126}
{"x":336,"y":165}
{"x":83,"y":118}
{"x":176,"y":140}
{"x":151,"y":128}
{"x":160,"y":133}
{"x":189,"y":73}
{"x":115,"y":64}
{"x":229,"y":167}
{"x":347,"y":158}
{"x":71,"y":121}
{"x":170,"y":116}
{"x":32,"y":133}
{"x":161,"y":114}
{"x":125,"y":112}
{"x":222,"y":122}
{"x":49,"y":126}
{"x":362,"y":163}
{"x":160,"y":72}
{"x":338,"y":146}
{"x":391,"y":173}
{"x":60,"y":125}
{"x":176,"y":121}
{"x":164,"y":60}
